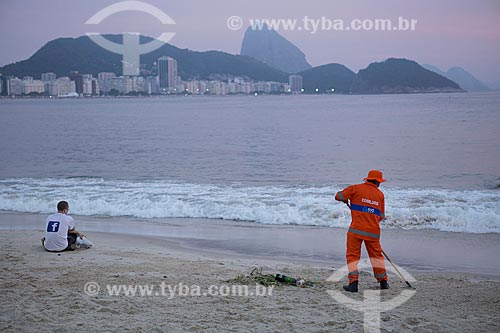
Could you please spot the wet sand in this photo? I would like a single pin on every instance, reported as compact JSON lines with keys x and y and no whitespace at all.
{"x":415,"y":250}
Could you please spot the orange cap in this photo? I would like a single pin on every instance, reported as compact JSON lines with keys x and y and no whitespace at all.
{"x":375,"y":175}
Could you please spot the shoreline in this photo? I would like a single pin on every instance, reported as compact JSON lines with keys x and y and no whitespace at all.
{"x":418,"y":251}
{"x":139,"y":96}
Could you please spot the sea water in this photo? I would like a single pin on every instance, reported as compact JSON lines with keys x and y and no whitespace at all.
{"x":268,"y":159}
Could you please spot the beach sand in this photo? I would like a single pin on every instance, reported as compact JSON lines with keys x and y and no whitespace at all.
{"x":45,"y":292}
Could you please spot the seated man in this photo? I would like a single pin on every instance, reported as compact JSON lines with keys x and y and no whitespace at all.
{"x":61,"y":234}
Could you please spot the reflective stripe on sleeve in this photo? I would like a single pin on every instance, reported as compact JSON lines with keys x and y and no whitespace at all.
{"x":341,"y":197}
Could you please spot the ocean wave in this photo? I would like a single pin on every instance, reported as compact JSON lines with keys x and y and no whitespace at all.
{"x":474,"y":211}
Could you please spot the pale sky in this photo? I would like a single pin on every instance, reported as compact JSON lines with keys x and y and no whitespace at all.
{"x":448,"y":33}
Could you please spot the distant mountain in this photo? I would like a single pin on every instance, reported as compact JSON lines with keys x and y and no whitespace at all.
{"x":273,"y":49}
{"x":326,"y":77}
{"x":395,"y":76}
{"x":64,"y":55}
{"x":459,"y":75}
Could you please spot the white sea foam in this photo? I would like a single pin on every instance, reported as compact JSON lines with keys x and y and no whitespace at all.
{"x":474,"y":211}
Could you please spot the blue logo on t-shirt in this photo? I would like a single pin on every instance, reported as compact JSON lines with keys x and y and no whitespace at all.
{"x":53,"y":226}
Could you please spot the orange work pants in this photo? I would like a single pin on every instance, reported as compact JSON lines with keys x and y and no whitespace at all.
{"x":353,"y":254}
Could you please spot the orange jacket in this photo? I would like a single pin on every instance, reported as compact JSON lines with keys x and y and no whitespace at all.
{"x":367,"y":209}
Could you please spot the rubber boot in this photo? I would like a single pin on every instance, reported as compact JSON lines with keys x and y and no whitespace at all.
{"x":384,"y":284}
{"x":352,"y":287}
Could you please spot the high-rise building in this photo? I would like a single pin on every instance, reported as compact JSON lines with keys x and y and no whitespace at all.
{"x":118,"y":84}
{"x":95,"y":87}
{"x":152,"y":85}
{"x":32,"y":86}
{"x":295,"y":82}
{"x":104,"y":81}
{"x":167,"y":73}
{"x":105,"y":75}
{"x":87,"y":87}
{"x":62,"y":86}
{"x":87,"y":84}
{"x":128,"y":84}
{"x":48,"y":76}
{"x":217,"y":88}
{"x":233,"y":88}
{"x":163,"y":73}
{"x":15,"y":86}
{"x":78,"y":78}
{"x":246,"y":87}
{"x":173,"y":79}
{"x":203,"y":87}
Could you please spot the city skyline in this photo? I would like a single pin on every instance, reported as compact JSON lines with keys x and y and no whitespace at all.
{"x":166,"y":81}
{"x":449,"y":33}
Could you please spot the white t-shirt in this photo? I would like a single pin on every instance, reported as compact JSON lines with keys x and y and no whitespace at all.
{"x":56,"y":235}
